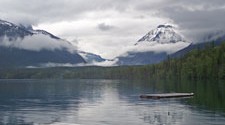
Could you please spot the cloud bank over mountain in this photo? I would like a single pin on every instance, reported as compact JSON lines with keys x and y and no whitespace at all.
{"x":37,"y":43}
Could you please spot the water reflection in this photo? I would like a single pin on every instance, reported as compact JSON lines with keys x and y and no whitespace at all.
{"x":95,"y":102}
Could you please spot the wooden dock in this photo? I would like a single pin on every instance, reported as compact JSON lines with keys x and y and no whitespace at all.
{"x":166,"y":95}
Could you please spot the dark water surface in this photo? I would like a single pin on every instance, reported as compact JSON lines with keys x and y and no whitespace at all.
{"x":109,"y":102}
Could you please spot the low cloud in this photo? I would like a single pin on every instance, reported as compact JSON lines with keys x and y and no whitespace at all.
{"x":167,"y":47}
{"x":157,"y":48}
{"x":51,"y":64}
{"x":37,"y":43}
{"x":107,"y":63}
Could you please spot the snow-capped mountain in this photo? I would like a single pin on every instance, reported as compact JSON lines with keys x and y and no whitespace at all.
{"x":154,"y":47}
{"x":163,"y":34}
{"x":21,"y":47}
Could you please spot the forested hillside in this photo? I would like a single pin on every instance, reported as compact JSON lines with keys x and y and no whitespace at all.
{"x":208,"y":63}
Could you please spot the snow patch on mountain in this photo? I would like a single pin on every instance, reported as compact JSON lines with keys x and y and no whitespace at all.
{"x":90,"y":57}
{"x":96,"y":60}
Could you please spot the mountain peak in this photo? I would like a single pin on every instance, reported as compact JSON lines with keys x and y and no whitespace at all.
{"x":165,"y":26}
{"x":163,"y":34}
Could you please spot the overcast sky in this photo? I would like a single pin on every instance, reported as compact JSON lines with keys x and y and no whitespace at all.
{"x":105,"y":26}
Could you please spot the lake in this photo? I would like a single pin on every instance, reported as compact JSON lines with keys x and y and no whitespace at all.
{"x":110,"y":102}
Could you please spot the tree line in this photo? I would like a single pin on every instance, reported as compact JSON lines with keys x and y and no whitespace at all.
{"x":207,"y":63}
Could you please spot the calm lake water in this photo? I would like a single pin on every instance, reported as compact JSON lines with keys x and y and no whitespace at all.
{"x":109,"y":102}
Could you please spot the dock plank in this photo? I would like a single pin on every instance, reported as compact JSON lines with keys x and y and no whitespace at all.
{"x":166,"y":95}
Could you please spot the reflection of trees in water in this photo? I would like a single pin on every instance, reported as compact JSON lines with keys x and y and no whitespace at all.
{"x":208,"y":94}
{"x":40,"y":101}
{"x":164,"y":111}
{"x":18,"y":119}
{"x":164,"y":115}
{"x":12,"y":119}
{"x":47,"y":101}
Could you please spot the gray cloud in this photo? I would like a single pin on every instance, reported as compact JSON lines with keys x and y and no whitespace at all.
{"x":197,"y":18}
{"x":191,"y":14}
{"x":34,"y":12}
{"x":105,"y":27}
{"x":77,"y":19}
